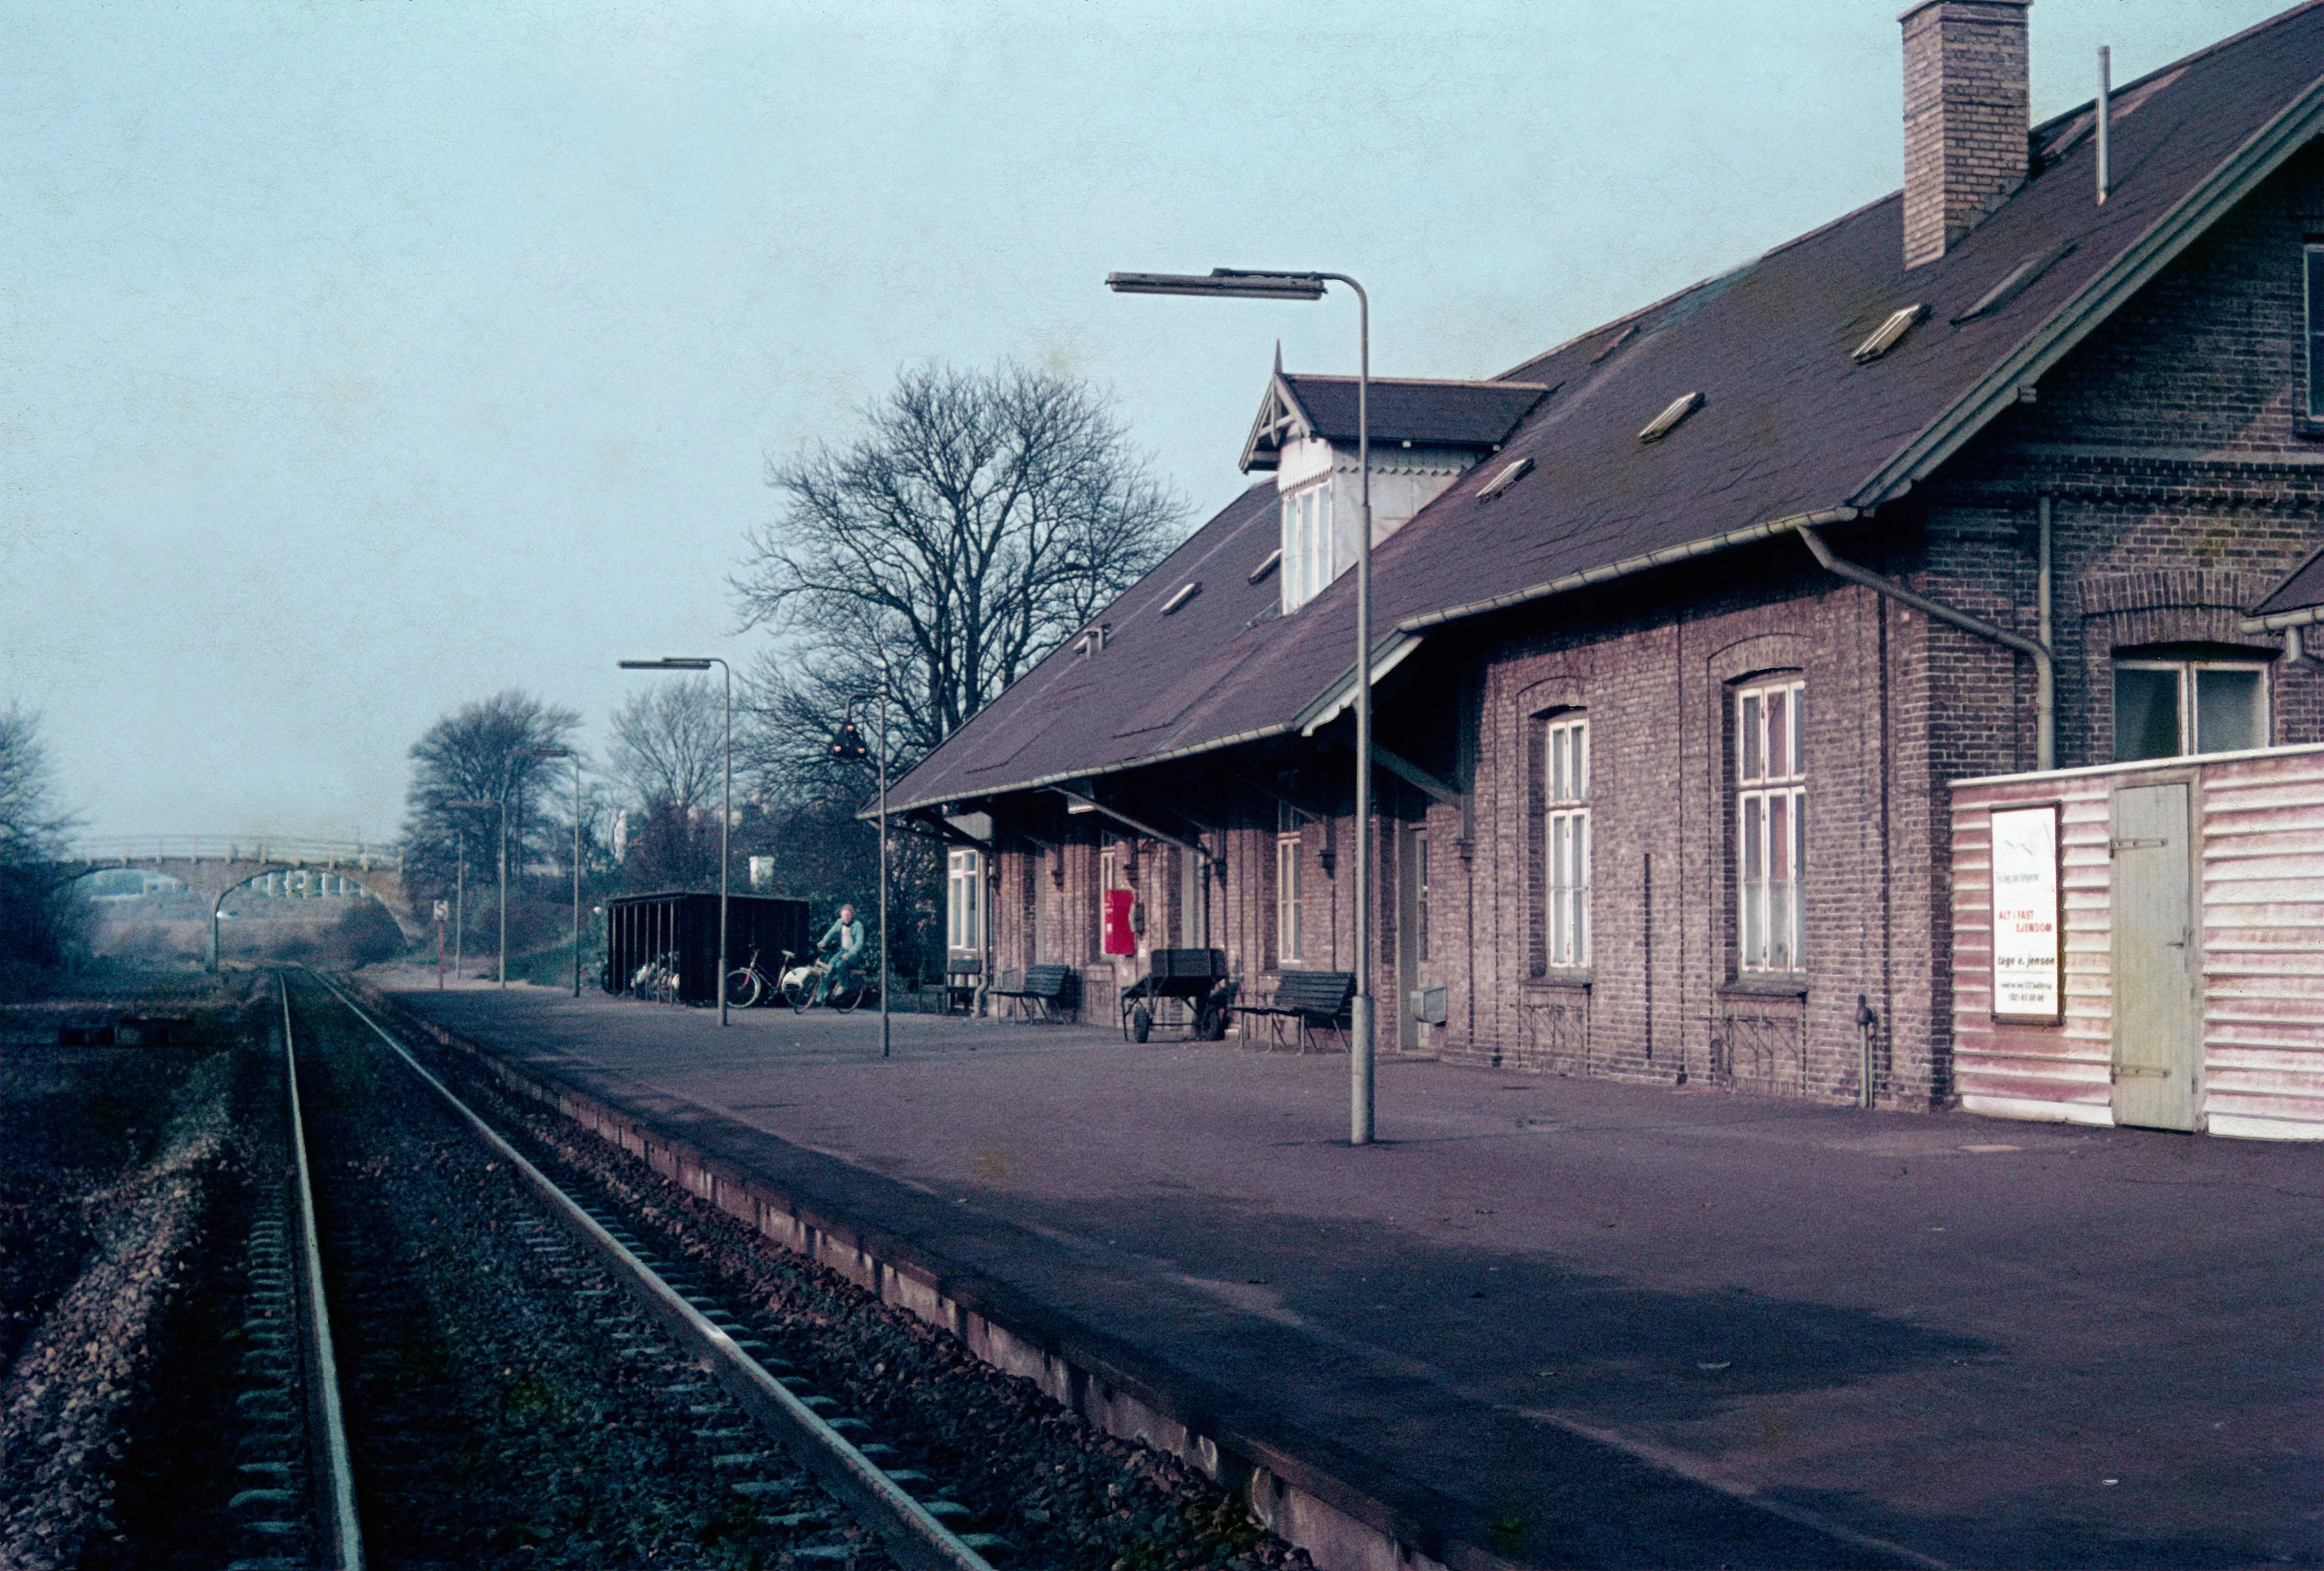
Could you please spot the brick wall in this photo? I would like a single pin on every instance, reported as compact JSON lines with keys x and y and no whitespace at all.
{"x":2179,"y":490}
{"x":1965,"y":116}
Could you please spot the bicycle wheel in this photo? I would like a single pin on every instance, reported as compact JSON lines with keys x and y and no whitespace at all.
{"x":743,"y":987}
{"x":846,"y":997}
{"x":798,"y":994}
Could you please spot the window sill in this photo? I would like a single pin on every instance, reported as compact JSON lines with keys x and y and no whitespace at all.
{"x":2309,"y":426}
{"x":1548,"y":980}
{"x":1769,"y":986}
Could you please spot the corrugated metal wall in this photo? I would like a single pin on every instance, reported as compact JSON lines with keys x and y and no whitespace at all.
{"x":2258,"y":821}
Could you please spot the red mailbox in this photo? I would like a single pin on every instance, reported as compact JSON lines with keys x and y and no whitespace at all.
{"x":1118,"y":937}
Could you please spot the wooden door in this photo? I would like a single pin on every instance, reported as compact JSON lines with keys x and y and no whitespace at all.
{"x":2157,"y":1017}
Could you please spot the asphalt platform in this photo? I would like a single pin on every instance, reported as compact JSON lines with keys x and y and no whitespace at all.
{"x":1581,"y":1322}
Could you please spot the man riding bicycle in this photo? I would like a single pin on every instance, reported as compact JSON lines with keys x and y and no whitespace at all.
{"x":846,"y":936}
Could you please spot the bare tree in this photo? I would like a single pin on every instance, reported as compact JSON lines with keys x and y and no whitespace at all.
{"x":41,"y":918}
{"x":670,"y":741}
{"x":475,"y":754}
{"x":979,"y":519}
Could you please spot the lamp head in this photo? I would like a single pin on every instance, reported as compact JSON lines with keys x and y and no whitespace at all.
{"x":1234,"y":282}
{"x":668,"y":663}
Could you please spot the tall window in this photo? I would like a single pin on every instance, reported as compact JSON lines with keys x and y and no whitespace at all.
{"x":1420,"y":890}
{"x":964,"y":900}
{"x":2164,"y":708}
{"x":1566,"y":795}
{"x":1306,"y":543}
{"x":2314,"y":294}
{"x":1771,"y":825}
{"x":1289,"y":940}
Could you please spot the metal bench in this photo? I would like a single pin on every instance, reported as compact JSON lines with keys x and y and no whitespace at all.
{"x":1312,"y":1001}
{"x":1198,"y":977}
{"x":1053,"y":988}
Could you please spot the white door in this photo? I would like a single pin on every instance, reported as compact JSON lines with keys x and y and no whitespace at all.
{"x":2157,"y":1017}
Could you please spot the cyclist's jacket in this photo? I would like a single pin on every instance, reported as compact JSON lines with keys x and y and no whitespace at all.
{"x":848,"y":936}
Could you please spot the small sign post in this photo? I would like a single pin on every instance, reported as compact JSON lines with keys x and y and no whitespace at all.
{"x":2028,"y":936}
{"x":443,"y":911}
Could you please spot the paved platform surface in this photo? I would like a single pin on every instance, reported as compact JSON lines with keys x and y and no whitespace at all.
{"x":1600,"y":1323}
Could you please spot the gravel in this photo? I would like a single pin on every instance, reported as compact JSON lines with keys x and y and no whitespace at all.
{"x":160,"y":1121}
{"x":1061,"y":1493}
{"x":507,"y":1406}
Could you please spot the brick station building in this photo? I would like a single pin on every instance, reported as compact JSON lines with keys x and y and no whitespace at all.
{"x":1685,"y":625}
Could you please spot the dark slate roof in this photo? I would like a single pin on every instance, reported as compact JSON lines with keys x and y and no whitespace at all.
{"x":2301,"y":590}
{"x":1790,"y":427}
{"x":1447,"y":414}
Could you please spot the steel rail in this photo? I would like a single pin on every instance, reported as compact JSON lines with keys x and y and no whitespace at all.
{"x":909,"y":1532}
{"x":336,"y":1496}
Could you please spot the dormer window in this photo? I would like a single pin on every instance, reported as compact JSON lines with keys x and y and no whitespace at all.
{"x":1307,"y":564}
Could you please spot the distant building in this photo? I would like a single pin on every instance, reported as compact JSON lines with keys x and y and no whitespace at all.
{"x":1685,"y":625}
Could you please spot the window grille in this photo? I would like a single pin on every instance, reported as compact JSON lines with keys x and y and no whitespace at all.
{"x":1771,"y":825}
{"x":1565,"y":794}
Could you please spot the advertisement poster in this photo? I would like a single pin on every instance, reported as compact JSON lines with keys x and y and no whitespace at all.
{"x":2026,"y":982}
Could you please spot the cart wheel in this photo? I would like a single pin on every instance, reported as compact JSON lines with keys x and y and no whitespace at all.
{"x":1141,"y":1023}
{"x":1210,"y":1024}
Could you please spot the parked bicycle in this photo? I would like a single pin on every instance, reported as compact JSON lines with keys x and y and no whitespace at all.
{"x":657,"y":979}
{"x":806,"y":983}
{"x":747,"y":985}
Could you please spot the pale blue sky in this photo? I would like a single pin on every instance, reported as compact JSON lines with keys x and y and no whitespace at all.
{"x":361,"y":359}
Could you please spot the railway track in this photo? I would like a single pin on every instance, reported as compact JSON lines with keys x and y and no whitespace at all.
{"x":453,"y":1358}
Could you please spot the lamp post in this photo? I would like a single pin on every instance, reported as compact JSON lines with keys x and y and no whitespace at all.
{"x":703,"y":662}
{"x":850,"y":744}
{"x":548,"y":752}
{"x":1239,"y":283}
{"x":460,"y":903}
{"x":503,"y":805}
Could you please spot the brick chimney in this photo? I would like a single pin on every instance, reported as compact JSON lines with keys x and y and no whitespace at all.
{"x":1965,"y":116}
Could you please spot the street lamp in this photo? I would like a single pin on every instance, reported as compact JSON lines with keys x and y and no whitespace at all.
{"x":502,"y":898}
{"x":703,"y":662}
{"x":1242,"y":283}
{"x":849,"y":745}
{"x":547,"y":752}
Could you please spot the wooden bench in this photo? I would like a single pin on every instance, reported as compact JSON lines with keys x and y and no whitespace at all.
{"x":1053,"y":988}
{"x":961,"y":978}
{"x":1312,"y":1001}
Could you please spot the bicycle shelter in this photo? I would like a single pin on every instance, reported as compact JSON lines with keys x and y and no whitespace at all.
{"x":680,"y":927}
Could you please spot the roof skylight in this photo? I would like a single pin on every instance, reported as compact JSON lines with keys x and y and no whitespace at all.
{"x":1509,"y":476}
{"x":1614,"y":342}
{"x":1888,"y":334}
{"x":1663,"y":424}
{"x":2015,"y":283}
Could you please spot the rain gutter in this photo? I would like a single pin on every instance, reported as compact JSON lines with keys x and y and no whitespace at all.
{"x":2044,"y":676}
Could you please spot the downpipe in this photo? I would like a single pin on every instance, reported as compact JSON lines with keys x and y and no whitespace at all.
{"x":2045,"y":676}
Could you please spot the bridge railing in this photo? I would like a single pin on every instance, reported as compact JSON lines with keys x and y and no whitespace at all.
{"x":132,"y":850}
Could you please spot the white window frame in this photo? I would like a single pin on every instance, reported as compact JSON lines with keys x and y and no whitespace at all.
{"x":2188,"y":673}
{"x":1770,"y":827}
{"x":1420,"y":891}
{"x":1307,"y":531}
{"x":1565,"y":840}
{"x":1290,"y":923}
{"x":964,"y":900}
